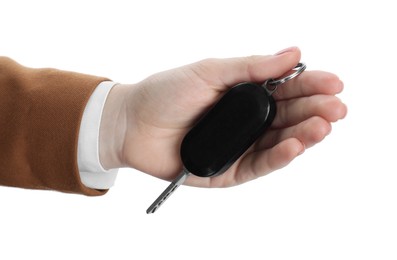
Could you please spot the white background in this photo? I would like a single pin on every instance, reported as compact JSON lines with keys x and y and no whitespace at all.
{"x":336,"y":201}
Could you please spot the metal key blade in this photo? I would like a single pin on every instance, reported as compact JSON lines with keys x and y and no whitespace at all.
{"x":168,"y":191}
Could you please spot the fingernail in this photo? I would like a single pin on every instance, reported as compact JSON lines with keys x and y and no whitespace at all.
{"x":286,"y":50}
{"x":303,"y":149}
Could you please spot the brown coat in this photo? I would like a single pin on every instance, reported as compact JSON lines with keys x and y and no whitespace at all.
{"x":40,"y":114}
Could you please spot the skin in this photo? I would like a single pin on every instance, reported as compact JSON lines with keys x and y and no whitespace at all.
{"x":143,"y":124}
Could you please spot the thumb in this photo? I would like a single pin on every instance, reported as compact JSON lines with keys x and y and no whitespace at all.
{"x":228,"y":72}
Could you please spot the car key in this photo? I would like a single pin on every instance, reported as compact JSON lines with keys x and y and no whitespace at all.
{"x":224,"y":133}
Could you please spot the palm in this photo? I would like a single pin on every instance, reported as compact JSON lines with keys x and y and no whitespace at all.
{"x":165,"y":106}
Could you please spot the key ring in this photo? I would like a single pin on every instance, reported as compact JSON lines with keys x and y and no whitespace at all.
{"x":271,"y":84}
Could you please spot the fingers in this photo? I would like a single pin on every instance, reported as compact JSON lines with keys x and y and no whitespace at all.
{"x":294,"y":111}
{"x":309,"y":83}
{"x":309,"y":132}
{"x":290,"y":143}
{"x":262,"y":162}
{"x":224,"y":73}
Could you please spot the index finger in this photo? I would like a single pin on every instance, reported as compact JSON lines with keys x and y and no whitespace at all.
{"x":309,"y":83}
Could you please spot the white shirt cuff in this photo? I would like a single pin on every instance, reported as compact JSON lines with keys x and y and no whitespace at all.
{"x":92,"y":174}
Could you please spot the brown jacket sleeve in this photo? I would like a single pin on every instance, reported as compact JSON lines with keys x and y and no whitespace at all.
{"x":40,"y":114}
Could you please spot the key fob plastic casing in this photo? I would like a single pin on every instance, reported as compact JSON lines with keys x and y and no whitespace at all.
{"x":225,"y":132}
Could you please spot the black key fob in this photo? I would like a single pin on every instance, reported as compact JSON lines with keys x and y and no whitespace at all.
{"x":224,"y":133}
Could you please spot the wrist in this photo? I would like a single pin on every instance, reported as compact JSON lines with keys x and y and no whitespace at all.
{"x":113,"y":128}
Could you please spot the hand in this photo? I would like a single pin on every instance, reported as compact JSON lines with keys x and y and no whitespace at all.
{"x":143,"y":124}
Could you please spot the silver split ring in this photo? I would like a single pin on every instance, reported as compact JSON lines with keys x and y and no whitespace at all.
{"x":271,"y":84}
